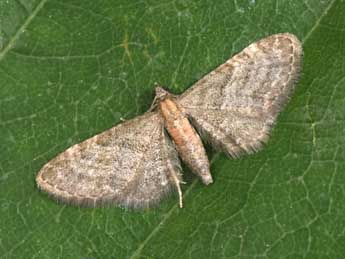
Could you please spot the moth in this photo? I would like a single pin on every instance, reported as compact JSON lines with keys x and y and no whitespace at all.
{"x":136,"y":163}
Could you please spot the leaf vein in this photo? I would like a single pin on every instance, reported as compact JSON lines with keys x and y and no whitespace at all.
{"x":22,"y":28}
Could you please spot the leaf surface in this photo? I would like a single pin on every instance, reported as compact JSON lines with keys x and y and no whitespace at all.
{"x":71,"y":69}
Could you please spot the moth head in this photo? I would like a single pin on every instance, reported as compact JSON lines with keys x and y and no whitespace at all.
{"x":160,"y":92}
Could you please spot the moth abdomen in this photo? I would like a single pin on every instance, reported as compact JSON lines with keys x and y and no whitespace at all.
{"x":187,"y":141}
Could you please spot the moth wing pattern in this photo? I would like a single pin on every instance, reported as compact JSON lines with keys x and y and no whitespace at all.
{"x":132,"y":165}
{"x":235,"y":106}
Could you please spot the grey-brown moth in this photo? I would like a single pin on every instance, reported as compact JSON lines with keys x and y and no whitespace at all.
{"x":136,"y":163}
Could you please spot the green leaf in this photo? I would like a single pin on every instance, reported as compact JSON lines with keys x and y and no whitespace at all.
{"x":71,"y":69}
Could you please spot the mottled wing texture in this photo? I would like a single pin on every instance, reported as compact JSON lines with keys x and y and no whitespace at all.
{"x":129,"y":165}
{"x":235,"y":106}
